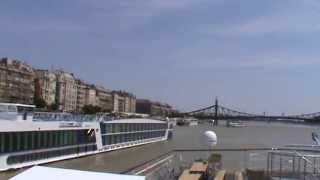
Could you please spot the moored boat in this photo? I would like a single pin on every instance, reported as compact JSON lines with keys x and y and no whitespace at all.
{"x":235,"y":124}
{"x":28,"y":138}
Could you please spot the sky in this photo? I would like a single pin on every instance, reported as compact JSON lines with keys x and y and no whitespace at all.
{"x":254,"y":56}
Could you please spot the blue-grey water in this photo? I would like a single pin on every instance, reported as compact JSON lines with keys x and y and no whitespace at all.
{"x":256,"y":134}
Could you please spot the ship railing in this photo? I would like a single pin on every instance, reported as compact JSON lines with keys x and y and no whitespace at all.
{"x":45,"y":116}
{"x":264,"y":163}
{"x":298,"y":165}
{"x":52,"y":116}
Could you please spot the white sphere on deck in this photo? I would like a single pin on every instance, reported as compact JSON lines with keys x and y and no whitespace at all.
{"x":211,"y":138}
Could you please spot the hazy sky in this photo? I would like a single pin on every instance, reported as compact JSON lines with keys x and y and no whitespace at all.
{"x":253,"y":55}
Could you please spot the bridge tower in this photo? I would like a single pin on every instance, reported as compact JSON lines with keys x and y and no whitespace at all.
{"x":216,"y":106}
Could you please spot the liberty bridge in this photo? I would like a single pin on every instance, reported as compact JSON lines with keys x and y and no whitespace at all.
{"x":218,"y":112}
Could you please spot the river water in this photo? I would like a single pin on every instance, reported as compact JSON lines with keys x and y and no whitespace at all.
{"x":256,"y":134}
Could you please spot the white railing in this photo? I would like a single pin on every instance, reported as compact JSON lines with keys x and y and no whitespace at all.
{"x":44,"y":116}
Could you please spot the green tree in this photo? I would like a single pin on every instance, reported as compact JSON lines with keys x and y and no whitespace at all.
{"x":90,"y":109}
{"x":40,"y":103}
{"x":53,"y":107}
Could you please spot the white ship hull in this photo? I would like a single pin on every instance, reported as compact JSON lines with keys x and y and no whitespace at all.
{"x":125,"y":133}
{"x":50,"y":160}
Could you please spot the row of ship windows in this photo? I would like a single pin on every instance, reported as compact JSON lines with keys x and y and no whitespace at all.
{"x":49,"y":154}
{"x":130,"y":127}
{"x":122,"y":138}
{"x":31,"y":140}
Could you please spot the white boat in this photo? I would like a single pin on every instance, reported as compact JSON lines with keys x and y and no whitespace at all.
{"x":193,"y":122}
{"x":235,"y":124}
{"x":28,"y":138}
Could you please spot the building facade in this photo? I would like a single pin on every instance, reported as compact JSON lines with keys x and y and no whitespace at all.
{"x":130,"y":103}
{"x":81,"y":94}
{"x":66,"y":96}
{"x":104,"y":97}
{"x":88,"y":94}
{"x":16,"y":81}
{"x":145,"y":106}
{"x":45,"y":86}
{"x":91,"y":96}
{"x":118,"y":102}
{"x":124,"y":102}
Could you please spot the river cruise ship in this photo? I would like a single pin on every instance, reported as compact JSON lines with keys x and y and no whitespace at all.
{"x":28,"y":138}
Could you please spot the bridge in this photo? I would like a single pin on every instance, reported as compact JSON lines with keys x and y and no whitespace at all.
{"x":217,"y":112}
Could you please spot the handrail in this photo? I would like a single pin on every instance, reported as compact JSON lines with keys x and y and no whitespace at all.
{"x":308,"y":161}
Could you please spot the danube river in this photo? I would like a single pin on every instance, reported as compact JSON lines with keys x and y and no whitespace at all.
{"x":256,"y":134}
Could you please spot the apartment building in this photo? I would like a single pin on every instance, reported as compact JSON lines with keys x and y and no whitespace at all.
{"x":16,"y":81}
{"x":104,"y":98}
{"x":146,"y":106}
{"x":124,"y":102}
{"x":66,"y":96}
{"x":45,"y":86}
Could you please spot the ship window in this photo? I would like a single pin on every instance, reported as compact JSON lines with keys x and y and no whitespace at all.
{"x":33,"y":140}
{"x":61,"y":138}
{"x":12,"y":109}
{"x":120,"y":127}
{"x":25,"y":140}
{"x":103,"y":128}
{"x":50,"y":139}
{"x":113,"y":139}
{"x":56,"y":138}
{"x":123,"y":138}
{"x":125,"y":129}
{"x":44,"y":139}
{"x":108,"y":130}
{"x":112,"y":129}
{"x":104,"y":140}
{"x":10,"y":142}
{"x":2,"y":145}
{"x":20,"y":141}
{"x":40,"y":139}
{"x":3,"y":108}
{"x":16,"y":141}
{"x":74,"y":134}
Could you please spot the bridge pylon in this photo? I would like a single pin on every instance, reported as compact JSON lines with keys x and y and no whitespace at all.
{"x":216,"y":106}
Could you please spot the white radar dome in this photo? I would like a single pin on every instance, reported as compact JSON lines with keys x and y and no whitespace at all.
{"x":210,"y":138}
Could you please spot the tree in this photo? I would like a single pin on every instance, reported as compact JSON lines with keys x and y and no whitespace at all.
{"x":90,"y":109}
{"x":53,"y":107}
{"x":40,"y":103}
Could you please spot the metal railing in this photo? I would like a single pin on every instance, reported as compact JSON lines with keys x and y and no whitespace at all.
{"x":49,"y":116}
{"x":294,"y":165}
{"x":268,"y":163}
{"x":44,"y":116}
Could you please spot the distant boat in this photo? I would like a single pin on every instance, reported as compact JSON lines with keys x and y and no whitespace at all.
{"x":235,"y":124}
{"x":188,"y":122}
{"x":193,"y":122}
